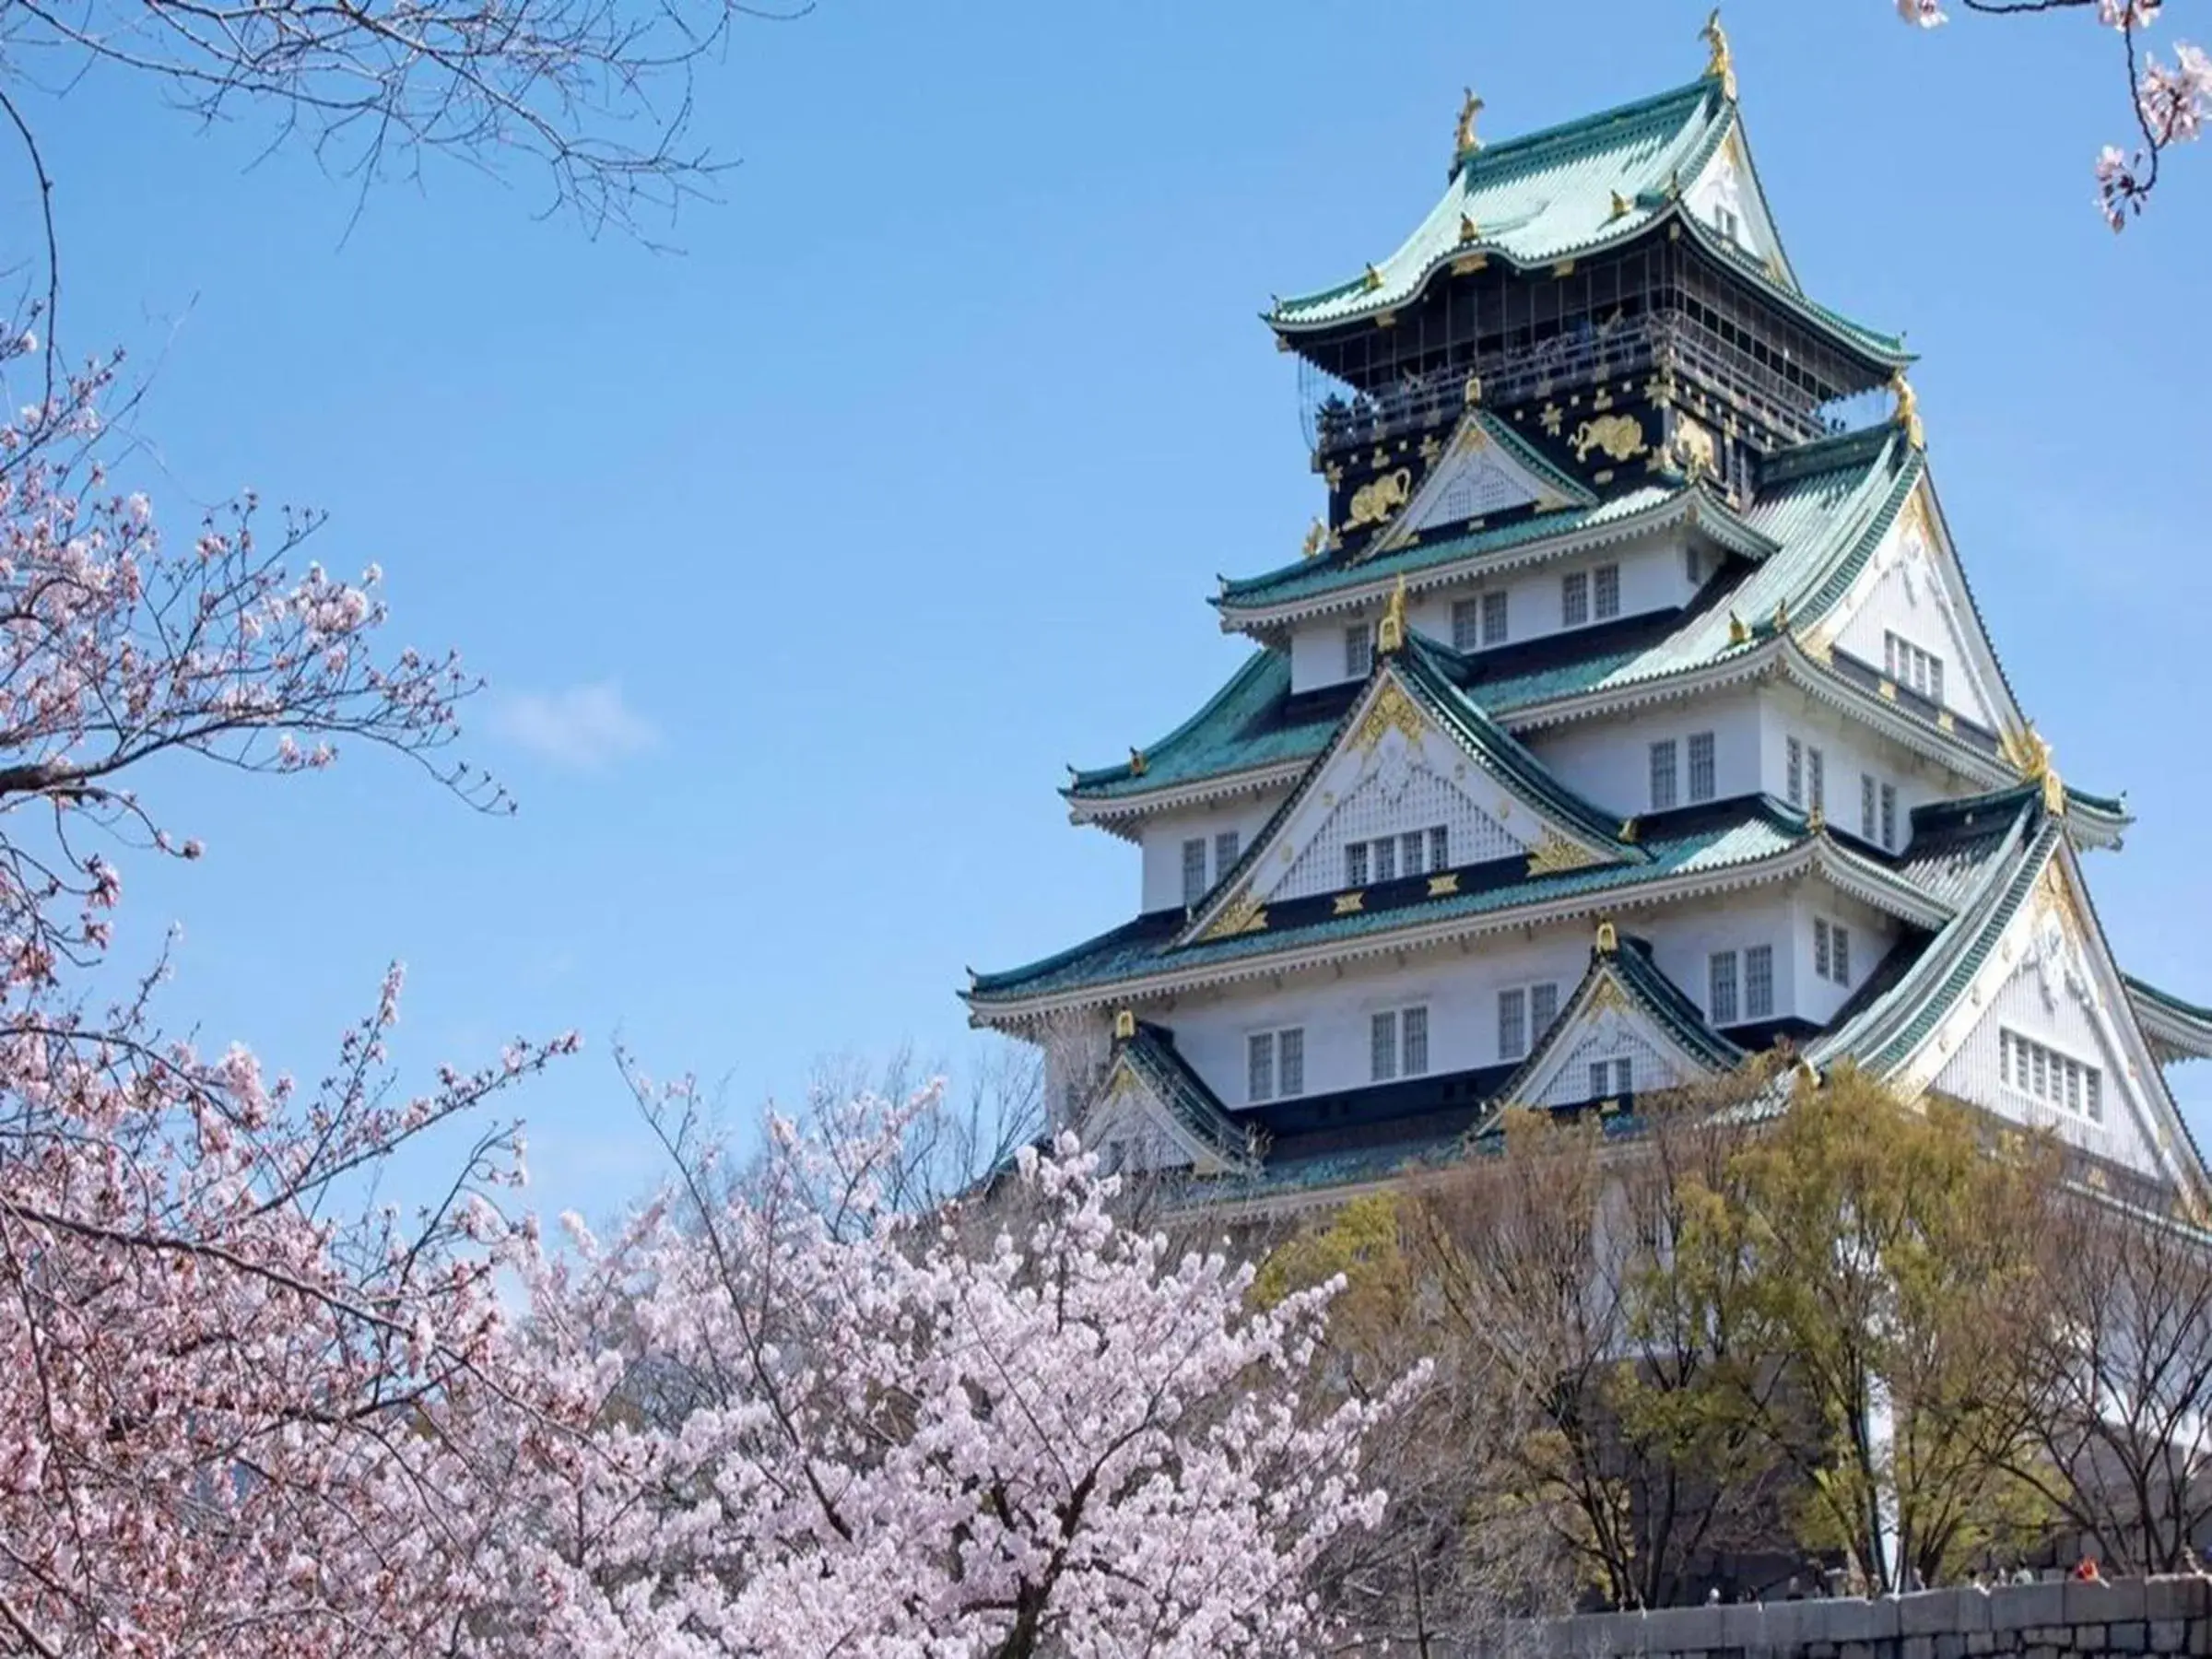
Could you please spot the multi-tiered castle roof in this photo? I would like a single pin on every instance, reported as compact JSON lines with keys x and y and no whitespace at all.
{"x":1628,"y":712}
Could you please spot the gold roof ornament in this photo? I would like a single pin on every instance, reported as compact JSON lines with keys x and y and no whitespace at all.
{"x":1390,"y":636}
{"x":1608,"y":940}
{"x":2030,"y":753}
{"x":1468,"y":230}
{"x":1816,"y":819}
{"x":1721,"y":65}
{"x":1371,"y":280}
{"x":1622,"y":207}
{"x":1737,"y":632}
{"x":1781,"y":615}
{"x":1627,"y":831}
{"x":1907,"y":414}
{"x":1463,"y":142}
{"x":1136,"y":763}
{"x":1316,"y":539}
{"x":1125,"y":1025}
{"x":1473,"y":391}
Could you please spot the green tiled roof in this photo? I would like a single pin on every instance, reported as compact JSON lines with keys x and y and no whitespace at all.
{"x":1631,"y":967}
{"x":1152,"y":1056}
{"x":1146,"y":945}
{"x":1549,"y":195}
{"x":1823,"y":518}
{"x":1313,"y":578}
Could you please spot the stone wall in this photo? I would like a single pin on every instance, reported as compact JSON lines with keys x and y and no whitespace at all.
{"x":2129,"y":1618}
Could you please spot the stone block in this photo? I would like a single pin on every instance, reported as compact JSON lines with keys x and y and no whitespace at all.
{"x":1682,"y":1631}
{"x":2130,"y":1636}
{"x":1950,"y":1644}
{"x":2027,"y":1607}
{"x":2168,"y":1635}
{"x":2095,"y":1603}
{"x":1934,"y":1611}
{"x":1855,"y":1650}
{"x":2175,"y":1597}
{"x":1980,"y":1641}
{"x":2040,"y":1650}
{"x":2088,"y":1638}
{"x":1920,"y":1647}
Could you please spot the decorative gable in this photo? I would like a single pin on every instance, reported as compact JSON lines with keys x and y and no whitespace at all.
{"x":2046,"y":1035}
{"x":1911,"y":593}
{"x":1418,"y":795}
{"x":1482,"y":471}
{"x":1725,"y":196}
{"x":1626,"y":1030}
{"x":1150,"y":1112}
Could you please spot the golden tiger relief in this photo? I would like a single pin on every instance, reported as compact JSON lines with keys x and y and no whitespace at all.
{"x":1379,"y":498}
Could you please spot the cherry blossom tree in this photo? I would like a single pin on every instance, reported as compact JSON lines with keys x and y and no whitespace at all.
{"x":1006,"y":1427}
{"x":2169,"y":100}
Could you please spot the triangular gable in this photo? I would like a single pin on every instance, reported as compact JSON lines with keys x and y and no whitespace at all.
{"x":2045,"y":1006}
{"x":1626,"y":1030}
{"x":1728,"y":182}
{"x":1151,"y":1111}
{"x":1484,"y":469}
{"x":1410,"y":758}
{"x":1912,"y":587}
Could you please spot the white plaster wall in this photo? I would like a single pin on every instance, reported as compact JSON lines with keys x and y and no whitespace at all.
{"x":1721,"y":186}
{"x":1653,"y":577}
{"x":1684,"y":946}
{"x":1905,"y":591}
{"x":1872,"y":934}
{"x":1163,"y":837}
{"x":1609,"y":759}
{"x":1851,"y":750}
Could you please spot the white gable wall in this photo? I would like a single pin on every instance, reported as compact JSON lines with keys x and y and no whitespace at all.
{"x":1905,"y":591}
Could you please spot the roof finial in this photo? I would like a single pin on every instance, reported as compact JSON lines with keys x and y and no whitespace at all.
{"x":1125,"y":1024}
{"x":1908,"y":410}
{"x":1136,"y":763}
{"x":1463,"y":142}
{"x":1469,"y":230}
{"x":1316,"y":539}
{"x":1370,"y":279}
{"x":1390,"y":637}
{"x":2030,"y":753}
{"x":1472,"y":390}
{"x":1720,"y":67}
{"x":1608,"y":939}
{"x":1622,"y":207}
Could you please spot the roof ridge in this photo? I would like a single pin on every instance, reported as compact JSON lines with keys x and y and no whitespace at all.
{"x":1581,"y":128}
{"x":1256,"y":661}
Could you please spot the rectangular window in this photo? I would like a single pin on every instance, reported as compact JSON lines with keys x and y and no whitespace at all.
{"x":1841,"y":935}
{"x":1493,"y":618}
{"x":1815,"y":780}
{"x":1890,"y":816}
{"x":1758,"y":983}
{"x":1701,"y":780}
{"x":1512,"y":1024}
{"x":1466,"y":624}
{"x":1725,"y":221}
{"x":1259,"y":1067}
{"x":1909,"y":665}
{"x":1194,"y":870}
{"x":1291,"y":1062}
{"x":1574,"y":599}
{"x":1386,"y":859}
{"x":1663,"y":775}
{"x":1383,"y":1047}
{"x":1693,"y":566}
{"x":1793,"y":771}
{"x":1359,"y":651}
{"x":2057,"y":1079}
{"x":1411,"y":846}
{"x":1543,"y":1007}
{"x":1440,"y":847}
{"x":1624,"y":1075}
{"x":1819,"y":947}
{"x":1720,"y":984}
{"x":1936,"y":679}
{"x":1225,"y":853}
{"x":1412,"y":1030}
{"x":1605,"y":598}
{"x":1355,"y":864}
{"x":1601,"y":1074}
{"x":1868,"y":797}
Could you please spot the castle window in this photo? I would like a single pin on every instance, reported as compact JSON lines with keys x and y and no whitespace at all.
{"x":1383,"y":1047}
{"x":1225,"y":853}
{"x":1543,"y":1007}
{"x":1606,"y":591}
{"x":1466,"y":624}
{"x":1793,"y":771}
{"x":1663,"y":775}
{"x":1359,"y":651}
{"x":1385,"y":853}
{"x":1440,"y":847}
{"x":1831,"y":950}
{"x":1612,"y":1077}
{"x":2048,"y":1075}
{"x":1719,"y":985}
{"x":1758,"y":983}
{"x":1411,"y":846}
{"x":1869,"y":811}
{"x":1574,"y":599}
{"x":1816,"y":780}
{"x":1413,"y":1037}
{"x":1890,"y":816}
{"x":1908,"y":665}
{"x":1725,"y":221}
{"x":1194,"y":869}
{"x":1275,"y":1065}
{"x":1512,"y":1024}
{"x":1701,"y":782}
{"x":1493,"y":618}
{"x":1355,"y":864}
{"x":1693,"y":566}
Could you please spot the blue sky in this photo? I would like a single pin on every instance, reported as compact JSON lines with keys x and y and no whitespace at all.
{"x":801,"y":561}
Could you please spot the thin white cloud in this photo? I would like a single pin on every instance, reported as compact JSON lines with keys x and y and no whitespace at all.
{"x":583,"y":728}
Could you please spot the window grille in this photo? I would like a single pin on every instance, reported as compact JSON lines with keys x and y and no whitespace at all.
{"x":1606,"y":591}
{"x":1719,"y":1001}
{"x":1259,"y":1067}
{"x":1512,"y":1024}
{"x":1384,"y":856}
{"x":1359,"y":651}
{"x":1440,"y":847}
{"x":1819,"y":947}
{"x":1355,"y":864}
{"x":1466,"y":624}
{"x":2048,"y":1075}
{"x":1815,"y":778}
{"x":1225,"y":853}
{"x":1291,"y":1062}
{"x":1494,"y":617}
{"x":1702,"y":783}
{"x":1663,"y":775}
{"x":1383,"y":1047}
{"x":1411,"y":847}
{"x":1543,"y":1007}
{"x":1793,"y":771}
{"x":1890,"y":816}
{"x":1413,"y":1025}
{"x":1758,"y":983}
{"x":1194,"y":870}
{"x":1574,"y":599}
{"x":1868,"y":809}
